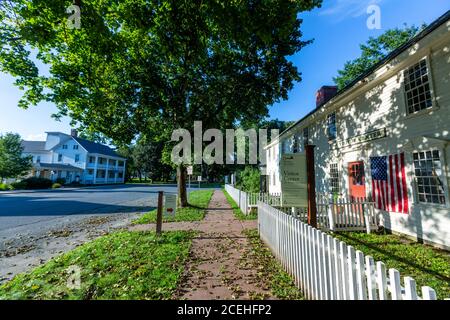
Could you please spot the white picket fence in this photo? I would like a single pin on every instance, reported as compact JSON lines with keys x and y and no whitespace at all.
{"x":240,"y":197}
{"x":325,"y":268}
{"x":333,"y":214}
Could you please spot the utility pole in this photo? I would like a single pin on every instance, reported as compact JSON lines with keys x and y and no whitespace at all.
{"x":311,"y":185}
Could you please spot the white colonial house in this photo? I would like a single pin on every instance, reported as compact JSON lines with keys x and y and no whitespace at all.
{"x":74,"y":159}
{"x":386,"y":136}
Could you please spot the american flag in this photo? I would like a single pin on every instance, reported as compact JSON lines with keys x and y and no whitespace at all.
{"x":389,"y":189}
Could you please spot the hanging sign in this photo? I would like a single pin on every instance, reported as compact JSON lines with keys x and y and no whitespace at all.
{"x":294,"y":192}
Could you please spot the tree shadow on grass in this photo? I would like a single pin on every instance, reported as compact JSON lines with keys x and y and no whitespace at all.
{"x":397,"y":257}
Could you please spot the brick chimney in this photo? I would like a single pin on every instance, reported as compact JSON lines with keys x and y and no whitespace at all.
{"x":324,"y":94}
{"x":74,"y":133}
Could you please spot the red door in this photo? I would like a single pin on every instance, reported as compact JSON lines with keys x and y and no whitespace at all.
{"x":357,"y":181}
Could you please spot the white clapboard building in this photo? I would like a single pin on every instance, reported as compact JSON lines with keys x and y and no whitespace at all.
{"x":386,"y":136}
{"x":73,"y":159}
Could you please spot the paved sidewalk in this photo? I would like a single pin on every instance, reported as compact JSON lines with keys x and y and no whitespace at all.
{"x":217,"y":267}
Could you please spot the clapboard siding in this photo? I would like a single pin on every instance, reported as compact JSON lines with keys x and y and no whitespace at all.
{"x":380,"y":103}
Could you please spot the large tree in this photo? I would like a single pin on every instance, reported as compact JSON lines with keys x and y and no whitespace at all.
{"x":149,"y":67}
{"x":373,"y":51}
{"x":12,"y":163}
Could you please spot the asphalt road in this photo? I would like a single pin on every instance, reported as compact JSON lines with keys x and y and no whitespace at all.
{"x":25,"y":213}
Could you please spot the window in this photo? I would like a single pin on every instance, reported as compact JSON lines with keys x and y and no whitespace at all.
{"x":112,"y":162}
{"x":90,"y":172}
{"x":334,"y":178}
{"x":64,"y":146}
{"x":306,"y":136}
{"x":77,"y":158}
{"x":59,"y":157}
{"x":91,"y":159}
{"x":111,"y":174}
{"x":417,"y":87}
{"x":331,"y":126}
{"x":295,"y":144}
{"x":38,"y":159}
{"x":427,"y":170}
{"x":75,"y":147}
{"x":101,"y":160}
{"x":101,"y":173}
{"x":120,"y":175}
{"x":121,"y":163}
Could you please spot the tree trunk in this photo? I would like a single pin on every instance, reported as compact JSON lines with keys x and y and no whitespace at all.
{"x":181,"y":183}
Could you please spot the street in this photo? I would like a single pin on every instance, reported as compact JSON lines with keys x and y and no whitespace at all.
{"x":36,"y":226}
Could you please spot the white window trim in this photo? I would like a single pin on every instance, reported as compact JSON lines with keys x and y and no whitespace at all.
{"x":433,"y":145}
{"x":434,"y":102}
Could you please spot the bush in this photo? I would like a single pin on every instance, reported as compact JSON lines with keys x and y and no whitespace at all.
{"x":248,"y":179}
{"x":56,"y":186}
{"x":33,"y":183}
{"x":18,"y":185}
{"x":61,"y":181}
{"x":5,"y":187}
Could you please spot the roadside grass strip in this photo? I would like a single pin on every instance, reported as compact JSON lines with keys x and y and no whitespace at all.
{"x":198,"y":203}
{"x":429,"y":266}
{"x":237,"y":211}
{"x":122,"y":265}
{"x":270,"y":273}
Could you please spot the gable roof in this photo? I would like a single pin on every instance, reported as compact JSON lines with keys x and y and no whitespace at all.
{"x":433,"y":26}
{"x":33,"y":146}
{"x":93,"y":147}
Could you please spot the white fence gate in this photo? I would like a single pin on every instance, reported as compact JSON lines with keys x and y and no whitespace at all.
{"x":325,"y":268}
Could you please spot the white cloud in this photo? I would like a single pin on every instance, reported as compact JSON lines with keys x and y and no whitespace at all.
{"x":36,"y":137}
{"x":342,"y":9}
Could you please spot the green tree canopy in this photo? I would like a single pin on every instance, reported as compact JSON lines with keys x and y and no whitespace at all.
{"x":12,"y":163}
{"x":149,"y":67}
{"x":373,"y":51}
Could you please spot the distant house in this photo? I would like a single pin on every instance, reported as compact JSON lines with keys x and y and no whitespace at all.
{"x":385,"y":136}
{"x":69,"y":157}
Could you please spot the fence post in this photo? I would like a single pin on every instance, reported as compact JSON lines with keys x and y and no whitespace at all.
{"x":330,"y":213}
{"x":159,"y":213}
{"x":311,"y":186}
{"x":365,"y":209}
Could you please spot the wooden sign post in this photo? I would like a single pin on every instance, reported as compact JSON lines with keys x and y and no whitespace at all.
{"x":312,"y":209}
{"x":159,"y":213}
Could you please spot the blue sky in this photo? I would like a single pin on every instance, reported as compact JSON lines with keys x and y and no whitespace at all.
{"x":338,"y":28}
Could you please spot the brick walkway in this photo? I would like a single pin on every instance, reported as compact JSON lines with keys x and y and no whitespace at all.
{"x":218,"y":266}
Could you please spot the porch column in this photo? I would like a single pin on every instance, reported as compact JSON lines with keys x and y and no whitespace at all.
{"x":116,"y":169}
{"x":95,"y":169}
{"x":107,"y":169}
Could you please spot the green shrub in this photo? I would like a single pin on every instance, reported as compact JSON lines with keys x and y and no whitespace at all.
{"x":33,"y":183}
{"x":18,"y":185}
{"x":248,"y":179}
{"x":5,"y":187}
{"x":56,"y":186}
{"x":61,"y":181}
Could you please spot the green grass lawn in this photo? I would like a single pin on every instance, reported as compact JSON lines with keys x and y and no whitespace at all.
{"x":427,"y":265}
{"x":237,"y":211}
{"x":121,"y":265}
{"x":270,"y":272}
{"x":198,"y":201}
